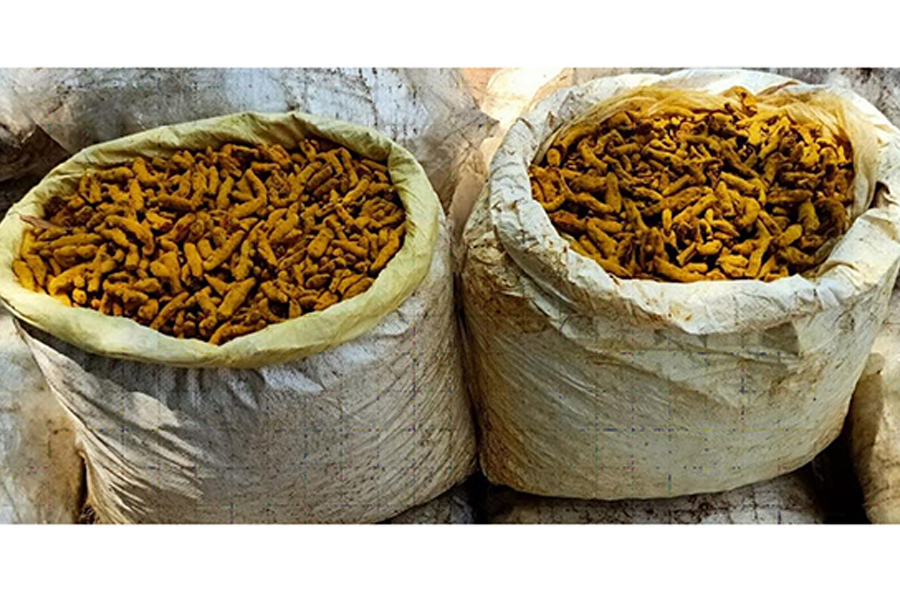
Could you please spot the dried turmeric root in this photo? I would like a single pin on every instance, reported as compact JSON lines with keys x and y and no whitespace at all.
{"x":737,"y":189}
{"x":218,"y":244}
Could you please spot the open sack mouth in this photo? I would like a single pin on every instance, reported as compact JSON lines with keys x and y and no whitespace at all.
{"x":235,"y":241}
{"x":681,"y":185}
{"x":593,"y":335}
{"x":217,"y":244}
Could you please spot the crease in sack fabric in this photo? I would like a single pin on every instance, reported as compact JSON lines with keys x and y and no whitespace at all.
{"x":353,"y":414}
{"x":649,"y":389}
{"x":40,"y":470}
{"x":873,"y":423}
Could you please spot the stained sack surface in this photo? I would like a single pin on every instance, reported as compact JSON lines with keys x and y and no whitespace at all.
{"x":350,"y":414}
{"x":588,"y":386}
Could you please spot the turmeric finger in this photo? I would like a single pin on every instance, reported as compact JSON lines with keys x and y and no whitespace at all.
{"x":244,"y":265}
{"x":25,"y":275}
{"x":387,"y":252}
{"x":225,"y":252}
{"x":274,"y":293}
{"x":806,"y":214}
{"x":246,"y":209}
{"x":266,"y":252}
{"x":319,"y":179}
{"x":236,"y":296}
{"x":66,"y":281}
{"x":38,"y":268}
{"x":168,"y":311}
{"x":229,"y":331}
{"x":136,"y":195}
{"x":144,"y":177}
{"x":604,"y":242}
{"x":175,"y":203}
{"x":141,"y":233}
{"x":167,"y":273}
{"x":790,"y":235}
{"x":351,"y":247}
{"x":357,"y":192}
{"x":221,"y":288}
{"x":223,"y":201}
{"x":318,"y":246}
{"x":676,"y":273}
{"x":755,"y":263}
{"x":290,"y":222}
{"x":358,"y":287}
{"x":194,"y":260}
{"x":711,"y":248}
{"x":148,"y":311}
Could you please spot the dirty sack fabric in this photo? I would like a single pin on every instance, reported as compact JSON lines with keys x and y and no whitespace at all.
{"x":588,"y":386}
{"x":351,"y":414}
{"x":41,"y":473}
{"x":874,"y":423}
{"x":789,"y":499}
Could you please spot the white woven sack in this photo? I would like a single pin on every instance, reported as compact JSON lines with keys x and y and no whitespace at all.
{"x":591,"y":387}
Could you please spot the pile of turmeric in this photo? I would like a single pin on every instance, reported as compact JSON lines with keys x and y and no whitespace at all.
{"x":217,"y":244}
{"x":669,"y":193}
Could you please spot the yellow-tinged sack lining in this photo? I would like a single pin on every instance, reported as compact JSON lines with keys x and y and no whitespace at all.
{"x":291,"y":340}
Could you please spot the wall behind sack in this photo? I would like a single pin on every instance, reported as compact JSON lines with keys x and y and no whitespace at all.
{"x":431,"y":112}
{"x":27,"y":153}
{"x":881,"y":87}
